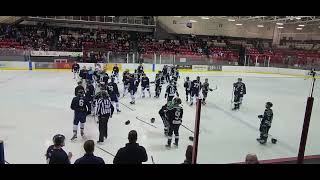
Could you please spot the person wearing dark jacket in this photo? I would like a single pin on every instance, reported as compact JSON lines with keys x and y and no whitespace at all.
{"x":88,"y":157}
{"x":188,"y":155}
{"x":132,"y":153}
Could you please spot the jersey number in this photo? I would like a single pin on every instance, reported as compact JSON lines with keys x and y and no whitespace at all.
{"x":177,"y":115}
{"x":81,"y":102}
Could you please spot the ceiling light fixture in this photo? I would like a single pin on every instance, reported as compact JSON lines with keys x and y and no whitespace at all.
{"x":280,"y":24}
{"x":191,"y":20}
{"x":299,"y":28}
{"x":239,"y":24}
{"x":260,"y":25}
{"x":205,"y":18}
{"x":231,"y":20}
{"x":301,"y":25}
{"x":280,"y":27}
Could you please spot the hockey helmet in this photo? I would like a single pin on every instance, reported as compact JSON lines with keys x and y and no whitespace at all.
{"x":80,"y":92}
{"x":198,"y":78}
{"x":58,"y":140}
{"x":79,"y":82}
{"x":187,"y":78}
{"x":177,"y":101}
{"x":269,"y":104}
{"x":239,"y":79}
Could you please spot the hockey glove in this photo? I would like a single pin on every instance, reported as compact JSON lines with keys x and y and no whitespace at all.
{"x":260,"y":116}
{"x":211,"y":89}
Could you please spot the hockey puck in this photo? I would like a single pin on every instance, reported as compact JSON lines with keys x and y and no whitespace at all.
{"x":153,"y":120}
{"x":190,"y":138}
{"x":274,"y":141}
{"x":127,"y":122}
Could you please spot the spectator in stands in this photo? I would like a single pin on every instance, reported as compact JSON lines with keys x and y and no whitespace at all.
{"x":252,"y":159}
{"x":132,"y":153}
{"x":88,"y":157}
{"x":188,"y":154}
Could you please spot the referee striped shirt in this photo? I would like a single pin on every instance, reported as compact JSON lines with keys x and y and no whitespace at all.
{"x":104,"y":107}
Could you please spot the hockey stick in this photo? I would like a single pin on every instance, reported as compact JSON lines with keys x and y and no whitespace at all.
{"x":187,"y":128}
{"x":9,"y":163}
{"x":152,"y":160}
{"x":145,"y":122}
{"x":127,"y":106}
{"x":105,"y":151}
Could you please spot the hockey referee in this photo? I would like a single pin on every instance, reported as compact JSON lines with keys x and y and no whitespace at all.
{"x":104,"y":112}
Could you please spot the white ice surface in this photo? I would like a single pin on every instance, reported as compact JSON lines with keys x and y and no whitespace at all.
{"x":36,"y":105}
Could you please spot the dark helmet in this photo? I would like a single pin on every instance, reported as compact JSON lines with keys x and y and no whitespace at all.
{"x":58,"y":140}
{"x":80,"y":92}
{"x":198,"y":78}
{"x":79,"y":82}
{"x":269,"y":104}
{"x":177,"y":101}
{"x":112,"y":79}
{"x":239,"y":79}
{"x":187,"y":78}
{"x":104,"y":94}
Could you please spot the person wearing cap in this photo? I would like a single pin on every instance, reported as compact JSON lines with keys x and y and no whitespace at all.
{"x":89,"y":157}
{"x":55,"y":154}
{"x":132,"y":153}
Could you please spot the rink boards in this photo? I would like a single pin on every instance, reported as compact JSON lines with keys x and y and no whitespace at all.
{"x":50,"y":66}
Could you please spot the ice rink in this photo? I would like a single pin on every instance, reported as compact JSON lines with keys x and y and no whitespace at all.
{"x":35,"y":105}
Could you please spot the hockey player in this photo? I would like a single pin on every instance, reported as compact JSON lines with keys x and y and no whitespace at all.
{"x":145,"y":85}
{"x":132,"y":88}
{"x":80,"y":106}
{"x":162,"y":113}
{"x":125,"y":80}
{"x":140,"y":70}
{"x":205,"y":90}
{"x":195,"y":89}
{"x":171,"y":91}
{"x":175,"y":76}
{"x":75,"y":69}
{"x":158,"y":85}
{"x":266,"y":120}
{"x":104,"y":78}
{"x":174,"y":116}
{"x":104,"y":111}
{"x":187,"y":86}
{"x":90,"y":75}
{"x":136,"y":77}
{"x":90,"y":96}
{"x":79,"y":87}
{"x":115,"y":72}
{"x":239,"y":89}
{"x":114,"y":93}
{"x":166,"y":73}
{"x":83,"y":73}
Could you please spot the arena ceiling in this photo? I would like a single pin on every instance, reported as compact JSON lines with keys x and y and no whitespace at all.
{"x":308,"y":20}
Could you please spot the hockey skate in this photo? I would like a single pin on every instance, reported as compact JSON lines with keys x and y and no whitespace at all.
{"x":262,"y":141}
{"x":74,"y":137}
{"x":191,"y":104}
{"x":118,"y":110}
{"x":99,"y":142}
{"x":132,"y":102}
{"x":168,"y":145}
